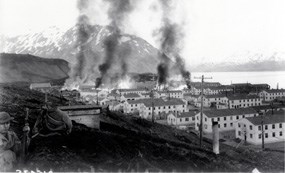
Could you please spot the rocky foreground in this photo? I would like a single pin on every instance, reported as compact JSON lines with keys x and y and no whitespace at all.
{"x":125,"y":143}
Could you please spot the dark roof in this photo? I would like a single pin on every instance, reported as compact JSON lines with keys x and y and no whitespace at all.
{"x":130,"y":90}
{"x":114,"y":94}
{"x":275,"y":91}
{"x":192,"y":95}
{"x":187,"y":114}
{"x":242,"y":96}
{"x":278,"y":117}
{"x":267,"y":107}
{"x":79,"y":107}
{"x":260,"y":84}
{"x":171,"y":91}
{"x":215,"y":96}
{"x":113,"y":102}
{"x":157,"y":102}
{"x":241,"y":84}
{"x":131,"y":95}
{"x":228,"y":112}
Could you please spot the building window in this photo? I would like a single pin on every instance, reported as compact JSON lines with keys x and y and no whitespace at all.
{"x":273,"y":134}
{"x":280,"y":133}
{"x":148,"y":108}
{"x":239,"y":133}
{"x":225,"y":125}
{"x":237,"y":117}
{"x":238,"y":124}
{"x":186,"y":119}
{"x":280,"y":125}
{"x":219,"y":126}
{"x":225,"y":118}
{"x":250,"y":127}
{"x":243,"y":116}
{"x":266,"y":135}
{"x":180,"y":119}
{"x":250,"y":135}
{"x":259,"y":127}
{"x":218,"y":119}
{"x":205,"y":119}
{"x":266,"y":127}
{"x":231,"y":124}
{"x":273,"y":126}
{"x":259,"y":136}
{"x":231,"y":118}
{"x":193,"y":118}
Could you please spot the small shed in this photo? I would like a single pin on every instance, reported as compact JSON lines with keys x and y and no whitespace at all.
{"x":88,"y":115}
{"x":43,"y":87}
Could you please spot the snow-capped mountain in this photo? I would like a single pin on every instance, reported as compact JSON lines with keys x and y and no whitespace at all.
{"x":54,"y":43}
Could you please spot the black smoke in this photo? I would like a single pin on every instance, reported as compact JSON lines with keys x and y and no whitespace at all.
{"x":83,"y":34}
{"x":171,"y":36}
{"x":117,"y":12}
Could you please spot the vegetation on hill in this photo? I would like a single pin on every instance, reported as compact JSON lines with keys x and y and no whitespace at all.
{"x":125,"y":143}
{"x":29,"y":68}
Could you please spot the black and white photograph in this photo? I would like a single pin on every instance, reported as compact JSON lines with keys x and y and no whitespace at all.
{"x":142,"y":86}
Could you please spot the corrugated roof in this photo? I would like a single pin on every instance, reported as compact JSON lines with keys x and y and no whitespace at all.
{"x":228,"y":112}
{"x":278,"y":117}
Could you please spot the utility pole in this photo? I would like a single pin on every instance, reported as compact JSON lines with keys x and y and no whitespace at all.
{"x":201,"y":117}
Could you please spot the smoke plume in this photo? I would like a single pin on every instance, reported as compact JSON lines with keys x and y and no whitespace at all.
{"x":171,"y":37}
{"x":117,"y":12}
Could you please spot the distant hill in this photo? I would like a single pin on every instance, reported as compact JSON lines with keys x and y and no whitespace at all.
{"x":29,"y":68}
{"x":266,"y":65}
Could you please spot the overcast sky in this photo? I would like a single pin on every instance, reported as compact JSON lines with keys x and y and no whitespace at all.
{"x":214,"y":30}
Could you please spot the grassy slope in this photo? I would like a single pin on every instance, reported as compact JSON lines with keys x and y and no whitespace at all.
{"x":126,"y":143}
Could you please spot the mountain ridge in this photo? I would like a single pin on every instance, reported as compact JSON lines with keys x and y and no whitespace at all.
{"x":143,"y":57}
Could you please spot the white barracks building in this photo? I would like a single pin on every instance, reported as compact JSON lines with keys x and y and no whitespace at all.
{"x":250,"y":129}
{"x":270,"y":95}
{"x":226,"y":118}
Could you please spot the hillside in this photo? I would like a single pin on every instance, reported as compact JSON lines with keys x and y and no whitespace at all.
{"x":126,"y":143}
{"x":29,"y":68}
